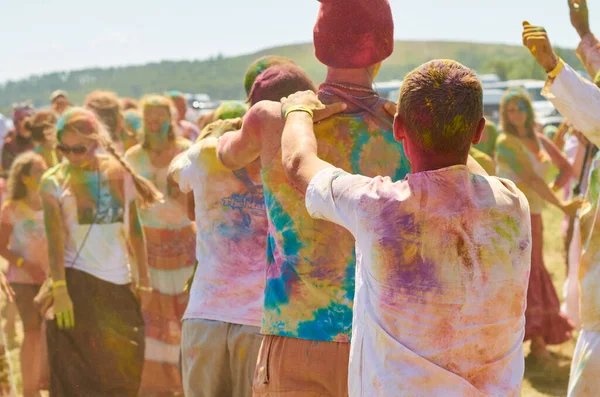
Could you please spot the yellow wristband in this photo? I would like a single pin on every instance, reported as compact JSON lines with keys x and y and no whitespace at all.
{"x":59,"y":283}
{"x":143,"y":289}
{"x":20,"y":262}
{"x":298,"y":108}
{"x":556,"y":71}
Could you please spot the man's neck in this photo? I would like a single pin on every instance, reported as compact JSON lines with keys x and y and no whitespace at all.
{"x":358,"y":77}
{"x":432,"y":162}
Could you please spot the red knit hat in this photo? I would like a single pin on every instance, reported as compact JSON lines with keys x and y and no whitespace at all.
{"x":354,"y":34}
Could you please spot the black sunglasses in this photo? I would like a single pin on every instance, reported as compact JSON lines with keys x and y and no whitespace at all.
{"x":77,"y":150}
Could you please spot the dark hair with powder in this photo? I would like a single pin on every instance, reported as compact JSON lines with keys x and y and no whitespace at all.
{"x":441,"y":105}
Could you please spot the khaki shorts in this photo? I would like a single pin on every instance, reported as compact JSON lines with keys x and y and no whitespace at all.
{"x":24,"y":295}
{"x":301,"y":368}
{"x":218,"y":358}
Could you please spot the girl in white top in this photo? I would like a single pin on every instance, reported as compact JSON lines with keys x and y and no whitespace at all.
{"x":90,"y":213}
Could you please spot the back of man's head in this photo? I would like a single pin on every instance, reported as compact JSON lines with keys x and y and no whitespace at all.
{"x":280,"y":81}
{"x":259,"y":66}
{"x":441,"y":106}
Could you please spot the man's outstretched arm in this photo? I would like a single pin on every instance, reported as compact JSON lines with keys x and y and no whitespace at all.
{"x":298,"y":142}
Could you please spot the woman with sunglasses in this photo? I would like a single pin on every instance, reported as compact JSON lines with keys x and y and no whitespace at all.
{"x":96,"y":339}
{"x":171,"y":241}
{"x":526,"y":156}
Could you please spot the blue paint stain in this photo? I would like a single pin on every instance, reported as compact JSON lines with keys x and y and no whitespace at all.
{"x":277,"y":289}
{"x":328,"y":322}
{"x":349,"y":281}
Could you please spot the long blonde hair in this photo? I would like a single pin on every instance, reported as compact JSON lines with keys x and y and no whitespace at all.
{"x":42,"y":126}
{"x":19,"y":168}
{"x":519,"y":95}
{"x":84,"y":122}
{"x":107,"y":107}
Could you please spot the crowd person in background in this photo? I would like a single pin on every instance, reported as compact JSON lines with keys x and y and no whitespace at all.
{"x":3,"y":130}
{"x":5,"y":373}
{"x":134,"y":127}
{"x":443,"y":256}
{"x":205,"y":119}
{"x":107,"y":107}
{"x":525,"y":157}
{"x":19,"y":140}
{"x":42,"y":126}
{"x":311,"y":264}
{"x":485,"y":161}
{"x":230,"y":110}
{"x":96,"y":338}
{"x":184,"y":128}
{"x":59,"y":102}
{"x":129,"y":104}
{"x":578,"y":100}
{"x":23,"y":245}
{"x":489,"y":137}
{"x":171,"y":245}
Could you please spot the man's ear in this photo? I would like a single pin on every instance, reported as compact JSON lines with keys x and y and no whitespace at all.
{"x":479,"y":132}
{"x":399,"y":128}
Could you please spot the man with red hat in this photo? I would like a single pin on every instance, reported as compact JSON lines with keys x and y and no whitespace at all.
{"x":311,"y":263}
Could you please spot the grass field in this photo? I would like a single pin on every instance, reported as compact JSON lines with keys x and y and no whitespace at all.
{"x":539,"y":381}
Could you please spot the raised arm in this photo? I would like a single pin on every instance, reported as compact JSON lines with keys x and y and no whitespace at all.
{"x":239,"y":148}
{"x":574,"y":97}
{"x":298,"y":142}
{"x":565,"y":169}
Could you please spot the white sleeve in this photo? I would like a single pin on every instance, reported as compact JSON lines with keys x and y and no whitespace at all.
{"x":334,"y":195}
{"x":184,"y":168}
{"x":576,"y":99}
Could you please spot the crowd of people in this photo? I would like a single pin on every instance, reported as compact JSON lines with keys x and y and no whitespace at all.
{"x":320,"y":241}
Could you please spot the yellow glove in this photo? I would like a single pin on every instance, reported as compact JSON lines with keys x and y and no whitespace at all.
{"x":63,"y":307}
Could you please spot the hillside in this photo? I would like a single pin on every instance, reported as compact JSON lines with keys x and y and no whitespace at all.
{"x":222,"y":77}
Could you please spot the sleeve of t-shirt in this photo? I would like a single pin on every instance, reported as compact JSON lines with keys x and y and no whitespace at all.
{"x":49,"y":185}
{"x":190,"y":167}
{"x":334,"y":195}
{"x":182,"y":168}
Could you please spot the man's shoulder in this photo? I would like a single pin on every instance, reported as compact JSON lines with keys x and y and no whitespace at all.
{"x":264,"y":112}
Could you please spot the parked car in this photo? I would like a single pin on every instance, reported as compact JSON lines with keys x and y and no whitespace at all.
{"x":389,"y":89}
{"x":491,"y":103}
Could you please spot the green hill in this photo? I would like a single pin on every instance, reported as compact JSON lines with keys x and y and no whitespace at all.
{"x":222,"y":78}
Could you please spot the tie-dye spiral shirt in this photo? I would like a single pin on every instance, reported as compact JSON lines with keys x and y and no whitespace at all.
{"x":443,"y":262}
{"x":28,"y":240}
{"x":311,"y":263}
{"x":231,"y":236}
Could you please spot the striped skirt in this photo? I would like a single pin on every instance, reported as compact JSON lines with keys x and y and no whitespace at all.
{"x":171,"y":258}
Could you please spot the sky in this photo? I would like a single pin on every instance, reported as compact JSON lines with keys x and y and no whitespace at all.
{"x":42,"y":36}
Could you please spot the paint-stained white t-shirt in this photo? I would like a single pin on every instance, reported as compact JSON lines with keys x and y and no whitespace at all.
{"x":443,"y":261}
